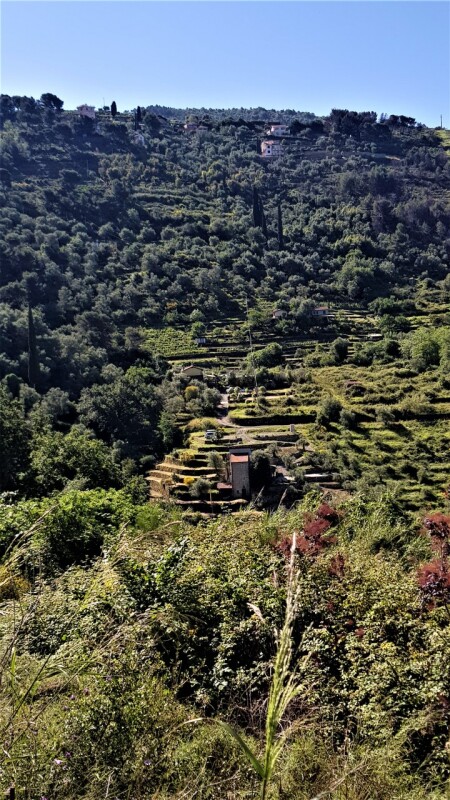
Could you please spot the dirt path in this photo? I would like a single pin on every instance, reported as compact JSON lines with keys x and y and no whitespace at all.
{"x":222,"y":412}
{"x":224,"y":419}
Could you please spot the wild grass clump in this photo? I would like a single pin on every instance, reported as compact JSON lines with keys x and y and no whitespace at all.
{"x":202,"y":424}
{"x":285,"y":686}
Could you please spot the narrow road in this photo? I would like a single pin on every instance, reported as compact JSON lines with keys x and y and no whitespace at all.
{"x":224,"y":419}
{"x":222,"y":412}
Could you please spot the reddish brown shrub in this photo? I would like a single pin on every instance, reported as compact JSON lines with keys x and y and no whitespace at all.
{"x":311,"y":541}
{"x":327,"y":512}
{"x":284,"y":546}
{"x":337,"y":566}
{"x":438,"y":528}
{"x":434,"y":582}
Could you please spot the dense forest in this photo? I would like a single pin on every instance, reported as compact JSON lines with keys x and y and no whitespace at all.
{"x":139,"y":640}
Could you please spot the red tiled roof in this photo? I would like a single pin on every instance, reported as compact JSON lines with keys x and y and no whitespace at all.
{"x":238,"y":459}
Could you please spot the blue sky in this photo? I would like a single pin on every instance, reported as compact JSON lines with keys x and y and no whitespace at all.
{"x":389,"y":57}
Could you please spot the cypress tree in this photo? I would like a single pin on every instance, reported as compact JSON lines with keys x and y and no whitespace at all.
{"x":256,"y":208}
{"x":33,"y":359}
{"x":113,"y":109}
{"x":259,"y":218}
{"x":263,"y":221}
{"x":280,"y":228}
{"x":138,"y":115}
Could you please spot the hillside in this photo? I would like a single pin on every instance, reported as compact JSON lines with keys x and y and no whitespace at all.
{"x":103,"y":238}
{"x":167,"y":225}
{"x":173,"y":302}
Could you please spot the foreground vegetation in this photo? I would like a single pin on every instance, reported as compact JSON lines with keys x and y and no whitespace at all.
{"x":125,"y":639}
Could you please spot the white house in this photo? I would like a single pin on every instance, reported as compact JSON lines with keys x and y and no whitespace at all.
{"x":86,"y":111}
{"x":279,"y":130}
{"x":320,"y":311}
{"x":269,"y":148}
{"x":278,"y":314}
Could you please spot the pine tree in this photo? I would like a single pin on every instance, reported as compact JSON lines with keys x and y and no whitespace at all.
{"x":113,"y":109}
{"x":280,"y":228}
{"x":33,"y":359}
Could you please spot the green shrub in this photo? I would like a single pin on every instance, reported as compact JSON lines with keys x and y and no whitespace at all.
{"x":74,"y":526}
{"x":347,"y":418}
{"x":385,"y":415}
{"x":270,"y":356}
{"x":328,"y":411}
{"x":200,"y":488}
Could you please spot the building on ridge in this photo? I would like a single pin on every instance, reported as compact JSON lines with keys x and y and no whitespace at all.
{"x":86,"y":111}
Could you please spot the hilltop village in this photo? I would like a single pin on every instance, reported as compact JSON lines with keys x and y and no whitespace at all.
{"x":269,"y":146}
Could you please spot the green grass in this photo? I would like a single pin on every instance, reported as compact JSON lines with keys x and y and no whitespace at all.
{"x":444,"y":136}
{"x":170,"y":341}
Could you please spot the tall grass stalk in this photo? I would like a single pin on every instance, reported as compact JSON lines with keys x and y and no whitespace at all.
{"x":285,"y":684}
{"x":284,"y":688}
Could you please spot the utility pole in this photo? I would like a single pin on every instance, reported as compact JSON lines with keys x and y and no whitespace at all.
{"x":441,"y":121}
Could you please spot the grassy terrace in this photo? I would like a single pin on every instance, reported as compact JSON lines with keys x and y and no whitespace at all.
{"x":444,"y":136}
{"x":169,"y":342}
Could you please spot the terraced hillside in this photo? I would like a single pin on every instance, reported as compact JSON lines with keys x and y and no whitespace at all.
{"x":131,"y":247}
{"x":392,"y":425}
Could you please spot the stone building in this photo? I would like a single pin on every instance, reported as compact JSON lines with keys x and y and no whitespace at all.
{"x":240,"y":475}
